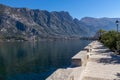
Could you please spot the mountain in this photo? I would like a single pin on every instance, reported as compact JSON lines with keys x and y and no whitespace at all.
{"x":31,"y":24}
{"x":95,"y":24}
{"x":34,"y":24}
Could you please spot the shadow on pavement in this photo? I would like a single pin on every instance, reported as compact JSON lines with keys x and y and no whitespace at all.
{"x":118,"y":75}
{"x":115,"y":59}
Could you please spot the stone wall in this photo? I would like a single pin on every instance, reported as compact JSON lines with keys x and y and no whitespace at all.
{"x":78,"y":64}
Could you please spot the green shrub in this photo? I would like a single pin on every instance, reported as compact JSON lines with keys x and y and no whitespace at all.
{"x":110,"y":39}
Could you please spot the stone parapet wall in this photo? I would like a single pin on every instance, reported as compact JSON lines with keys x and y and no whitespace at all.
{"x":78,"y":64}
{"x":80,"y":59}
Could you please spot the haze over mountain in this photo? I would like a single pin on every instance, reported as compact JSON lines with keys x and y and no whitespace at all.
{"x":29,"y":24}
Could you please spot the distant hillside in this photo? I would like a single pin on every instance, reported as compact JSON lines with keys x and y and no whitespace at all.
{"x":94,"y":24}
{"x":29,"y":24}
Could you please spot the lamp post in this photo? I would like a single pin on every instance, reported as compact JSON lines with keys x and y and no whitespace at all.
{"x":117,"y":24}
{"x":117,"y":41}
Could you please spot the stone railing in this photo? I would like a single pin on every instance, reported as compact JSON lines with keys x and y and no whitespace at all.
{"x":80,"y":59}
{"x":78,"y":64}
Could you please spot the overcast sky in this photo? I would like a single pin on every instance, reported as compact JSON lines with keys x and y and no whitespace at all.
{"x":77,"y":8}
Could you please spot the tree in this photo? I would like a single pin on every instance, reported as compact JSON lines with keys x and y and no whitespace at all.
{"x":110,"y":39}
{"x":99,"y":33}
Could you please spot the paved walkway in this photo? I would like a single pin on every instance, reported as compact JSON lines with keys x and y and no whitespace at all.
{"x":102,"y":64}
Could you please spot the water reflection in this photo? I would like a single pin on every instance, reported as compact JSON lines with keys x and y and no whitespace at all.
{"x":36,"y":61}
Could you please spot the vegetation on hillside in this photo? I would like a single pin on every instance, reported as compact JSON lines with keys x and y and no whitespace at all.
{"x":110,"y":39}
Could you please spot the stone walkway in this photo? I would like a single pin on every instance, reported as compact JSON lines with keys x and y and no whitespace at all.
{"x":102,"y":64}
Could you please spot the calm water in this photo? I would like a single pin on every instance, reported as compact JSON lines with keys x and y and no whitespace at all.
{"x":36,"y":61}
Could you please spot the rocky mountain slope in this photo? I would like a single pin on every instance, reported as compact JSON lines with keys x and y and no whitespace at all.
{"x":38,"y":24}
{"x":29,"y":24}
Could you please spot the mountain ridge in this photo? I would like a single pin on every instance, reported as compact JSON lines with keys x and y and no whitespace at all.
{"x":35,"y":24}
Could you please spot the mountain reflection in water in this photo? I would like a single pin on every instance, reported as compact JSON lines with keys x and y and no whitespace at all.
{"x":36,"y":61}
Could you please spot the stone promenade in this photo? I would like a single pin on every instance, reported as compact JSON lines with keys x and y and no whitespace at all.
{"x":102,"y":64}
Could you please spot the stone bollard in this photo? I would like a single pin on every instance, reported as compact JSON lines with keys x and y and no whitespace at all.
{"x":90,"y":48}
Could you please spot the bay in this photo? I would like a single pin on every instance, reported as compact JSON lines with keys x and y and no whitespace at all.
{"x":36,"y":60}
